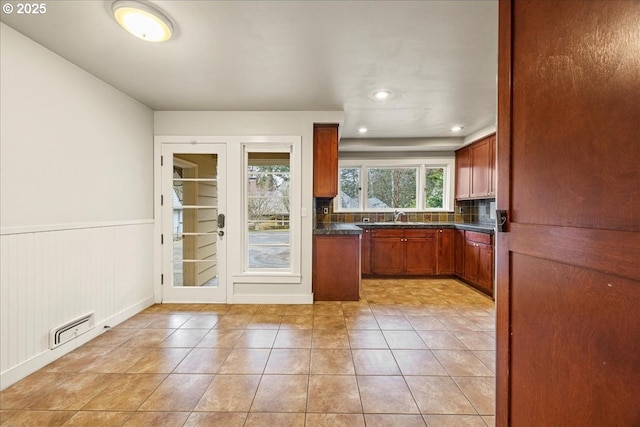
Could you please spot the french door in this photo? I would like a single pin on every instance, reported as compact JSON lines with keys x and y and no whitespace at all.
{"x":193,"y":223}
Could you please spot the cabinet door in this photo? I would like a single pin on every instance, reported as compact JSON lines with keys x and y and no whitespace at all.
{"x":445,"y":251}
{"x":459,"y":252}
{"x":387,"y":255}
{"x":463,"y":173}
{"x":366,"y":251}
{"x":492,"y":143}
{"x":325,"y":160}
{"x":421,"y":254}
{"x":485,"y":267}
{"x":481,"y":169}
{"x":471,"y":253}
{"x":336,"y":268}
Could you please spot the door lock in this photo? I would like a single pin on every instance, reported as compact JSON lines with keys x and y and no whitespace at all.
{"x":220,"y":233}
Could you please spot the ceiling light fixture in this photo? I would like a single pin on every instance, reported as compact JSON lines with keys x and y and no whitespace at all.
{"x":382,"y":94}
{"x":142,"y":20}
{"x":457,"y":128}
{"x":362,"y":130}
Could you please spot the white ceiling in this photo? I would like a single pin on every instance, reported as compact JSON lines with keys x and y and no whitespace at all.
{"x":439,"y":59}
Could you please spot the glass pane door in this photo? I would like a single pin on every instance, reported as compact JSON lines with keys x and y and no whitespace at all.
{"x":193,"y":223}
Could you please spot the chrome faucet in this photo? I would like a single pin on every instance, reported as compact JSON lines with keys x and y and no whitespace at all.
{"x":397,"y":214}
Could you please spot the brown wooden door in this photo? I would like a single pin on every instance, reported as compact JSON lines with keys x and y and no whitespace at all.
{"x":459,"y":252}
{"x":568,"y":288}
{"x":485,"y":267}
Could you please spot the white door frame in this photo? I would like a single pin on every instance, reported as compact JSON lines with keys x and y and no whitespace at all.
{"x":162,"y":273}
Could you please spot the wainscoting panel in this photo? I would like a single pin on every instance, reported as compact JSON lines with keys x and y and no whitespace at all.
{"x":48,"y":278}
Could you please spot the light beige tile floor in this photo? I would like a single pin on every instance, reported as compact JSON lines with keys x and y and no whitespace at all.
{"x":412,"y":352}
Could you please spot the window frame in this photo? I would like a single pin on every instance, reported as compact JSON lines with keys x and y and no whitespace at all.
{"x":422,"y":164}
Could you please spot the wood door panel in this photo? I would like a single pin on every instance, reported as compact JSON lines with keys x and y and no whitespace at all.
{"x":336,"y":268}
{"x":575,"y":83}
{"x":421,"y":255}
{"x":481,"y":169}
{"x":568,"y":285}
{"x":569,"y":321}
{"x":387,"y":255}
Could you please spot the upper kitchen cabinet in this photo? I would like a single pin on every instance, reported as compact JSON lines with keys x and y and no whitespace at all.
{"x":475,"y":170}
{"x":325,"y":160}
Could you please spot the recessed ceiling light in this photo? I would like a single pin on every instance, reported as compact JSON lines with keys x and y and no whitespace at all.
{"x":142,"y":20}
{"x":362,"y":130}
{"x":382,"y":94}
{"x":457,"y":128}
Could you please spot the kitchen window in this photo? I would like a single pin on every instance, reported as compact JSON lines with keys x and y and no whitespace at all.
{"x":407,"y":185}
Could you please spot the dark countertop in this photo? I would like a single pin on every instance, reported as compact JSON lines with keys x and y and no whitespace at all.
{"x":356,"y":228}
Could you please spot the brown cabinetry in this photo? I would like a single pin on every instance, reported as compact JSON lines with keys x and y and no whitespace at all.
{"x":405,"y":251}
{"x":446,"y":246}
{"x":325,"y":160}
{"x":336,"y":267}
{"x":459,"y":252}
{"x":475,"y":170}
{"x":474,"y":254}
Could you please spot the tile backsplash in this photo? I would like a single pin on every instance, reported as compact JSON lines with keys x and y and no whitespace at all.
{"x":466,"y":211}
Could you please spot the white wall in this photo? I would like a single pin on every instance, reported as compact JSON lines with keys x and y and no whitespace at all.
{"x":76,"y":207}
{"x":209,"y":123}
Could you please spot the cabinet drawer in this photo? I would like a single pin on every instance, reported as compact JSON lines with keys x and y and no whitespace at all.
{"x":418,"y":232}
{"x":387,"y":232}
{"x":474,"y":236}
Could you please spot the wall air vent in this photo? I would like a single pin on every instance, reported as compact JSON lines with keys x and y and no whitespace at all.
{"x":70,"y":330}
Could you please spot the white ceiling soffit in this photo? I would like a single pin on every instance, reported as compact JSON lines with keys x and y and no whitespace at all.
{"x":438,"y":58}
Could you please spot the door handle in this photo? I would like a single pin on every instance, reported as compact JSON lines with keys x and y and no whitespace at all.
{"x":220,"y":220}
{"x":501,"y":220}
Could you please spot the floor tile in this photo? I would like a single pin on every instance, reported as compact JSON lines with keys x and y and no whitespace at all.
{"x":159,"y":361}
{"x":489,"y":420}
{"x":113,"y":337}
{"x":281,"y":393}
{"x":304,"y":321}
{"x":272,"y":309}
{"x":222,"y":419}
{"x":330,"y":338}
{"x":394,"y":322}
{"x":418,"y":362}
{"x":202,"y":321}
{"x":334,"y":393}
{"x":69,"y":391}
{"x":487,"y":357}
{"x":438,"y":395}
{"x":119,"y":360}
{"x":328,"y":309}
{"x":426,"y":323}
{"x":332,"y":361}
{"x":169,"y":321}
{"x":334,"y":420}
{"x":233,"y":321}
{"x":404,"y":340}
{"x":164,"y":419}
{"x":97,"y":419}
{"x":257,"y":419}
{"x":184,"y":338}
{"x":203,"y":361}
{"x":288,"y":361}
{"x":77,"y":360}
{"x":362,"y":321}
{"x":224,"y":338}
{"x":394,"y":420}
{"x":39,"y":418}
{"x":249,"y":309}
{"x":441,"y":340}
{"x":367,"y":339}
{"x":229,"y":393}
{"x":293,"y":338}
{"x":375,"y":362}
{"x":258,"y":338}
{"x":454,"y":421}
{"x":245,"y":361}
{"x":265,"y":321}
{"x":480,"y":391}
{"x":476,"y":340}
{"x":178,"y":392}
{"x":148,"y":338}
{"x":460,"y":363}
{"x":328,"y":322}
{"x":386,"y":395}
{"x":126,"y":393}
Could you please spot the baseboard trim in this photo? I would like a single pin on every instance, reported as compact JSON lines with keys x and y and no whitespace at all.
{"x":18,"y":372}
{"x":272,"y":299}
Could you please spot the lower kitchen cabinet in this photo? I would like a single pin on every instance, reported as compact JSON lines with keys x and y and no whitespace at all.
{"x":336,"y":267}
{"x":478,"y":260}
{"x":366,"y":251}
{"x":404,"y":251}
{"x":446,"y":249}
{"x":459,"y":252}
